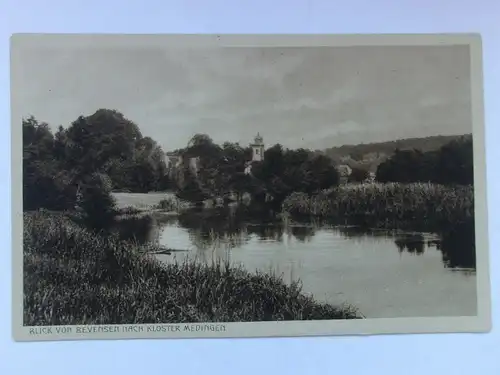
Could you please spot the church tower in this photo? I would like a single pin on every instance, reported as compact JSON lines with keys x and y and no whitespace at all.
{"x":258,"y":148}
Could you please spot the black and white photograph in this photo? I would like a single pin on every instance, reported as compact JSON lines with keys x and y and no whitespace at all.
{"x":180,"y":189}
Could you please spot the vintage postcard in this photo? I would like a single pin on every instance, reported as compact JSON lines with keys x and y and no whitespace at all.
{"x":184,"y":186}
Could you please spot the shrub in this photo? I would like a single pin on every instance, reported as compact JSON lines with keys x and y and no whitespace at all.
{"x":172,"y":204}
{"x":358,"y":175}
{"x":96,"y":203}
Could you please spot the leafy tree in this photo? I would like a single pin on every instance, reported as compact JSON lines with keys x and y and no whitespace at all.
{"x":38,"y":141}
{"x":455,"y":163}
{"x":104,"y":142}
{"x":232,"y":166}
{"x":142,"y":176}
{"x":191,"y":191}
{"x":108,"y":142}
{"x":286,"y":171}
{"x":322,"y":174}
{"x":220,"y":168}
{"x":45,"y":183}
{"x":358,"y":175}
{"x":451,"y":164}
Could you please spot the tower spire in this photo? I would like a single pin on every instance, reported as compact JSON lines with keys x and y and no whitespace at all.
{"x":258,"y":139}
{"x":258,"y":148}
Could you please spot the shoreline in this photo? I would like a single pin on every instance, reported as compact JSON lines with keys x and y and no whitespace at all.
{"x":118,"y":277}
{"x":131,"y":271}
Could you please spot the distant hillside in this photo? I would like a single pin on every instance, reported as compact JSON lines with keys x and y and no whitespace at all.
{"x":368,"y":156}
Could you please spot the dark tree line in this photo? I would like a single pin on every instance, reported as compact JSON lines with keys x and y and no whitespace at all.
{"x":358,"y":175}
{"x":452,"y":164}
{"x":221,"y":170}
{"x":108,"y":150}
{"x":358,"y":152}
{"x":285,"y":171}
{"x":103,"y":146}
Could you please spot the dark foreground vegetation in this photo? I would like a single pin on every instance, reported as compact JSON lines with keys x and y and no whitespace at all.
{"x":72,"y":276}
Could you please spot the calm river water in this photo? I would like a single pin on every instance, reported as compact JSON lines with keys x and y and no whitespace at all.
{"x":384,"y":274}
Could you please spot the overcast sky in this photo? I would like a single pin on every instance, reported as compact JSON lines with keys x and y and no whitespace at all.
{"x":299,"y":97}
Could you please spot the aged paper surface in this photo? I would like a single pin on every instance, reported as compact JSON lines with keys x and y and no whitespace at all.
{"x":247,"y":186}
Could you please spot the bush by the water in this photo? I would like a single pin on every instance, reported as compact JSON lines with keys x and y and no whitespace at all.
{"x":72,"y":276}
{"x":422,"y":206}
{"x":172,"y":203}
{"x":95,"y":202}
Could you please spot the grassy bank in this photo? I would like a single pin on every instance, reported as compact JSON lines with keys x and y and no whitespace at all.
{"x":418,"y":206}
{"x":140,"y":200}
{"x":72,"y":276}
{"x":137,"y":220}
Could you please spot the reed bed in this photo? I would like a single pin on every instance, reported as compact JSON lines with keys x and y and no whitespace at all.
{"x":73,"y":276}
{"x":419,"y":205}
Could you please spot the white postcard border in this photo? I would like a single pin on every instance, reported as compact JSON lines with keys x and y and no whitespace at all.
{"x":479,"y":323}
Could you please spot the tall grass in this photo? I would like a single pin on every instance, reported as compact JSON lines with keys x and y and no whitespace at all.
{"x":73,"y":276}
{"x":422,"y":206}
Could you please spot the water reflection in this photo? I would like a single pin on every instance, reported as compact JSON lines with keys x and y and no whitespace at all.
{"x":459,"y":247}
{"x":412,"y":243}
{"x":269,"y":232}
{"x":213,"y":230}
{"x":384,"y":273}
{"x":357,"y":232}
{"x":218,"y":230}
{"x":303,"y":233}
